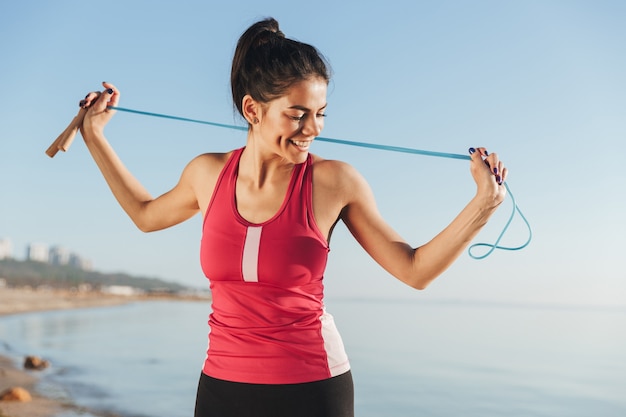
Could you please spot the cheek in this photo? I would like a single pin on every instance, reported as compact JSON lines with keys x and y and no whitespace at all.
{"x":290,"y":127}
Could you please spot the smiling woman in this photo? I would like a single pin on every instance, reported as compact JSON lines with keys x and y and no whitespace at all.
{"x":269,"y":211}
{"x":294,"y":119}
{"x":288,"y":125}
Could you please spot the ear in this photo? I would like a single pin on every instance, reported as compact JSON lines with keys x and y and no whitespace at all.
{"x":251,"y":109}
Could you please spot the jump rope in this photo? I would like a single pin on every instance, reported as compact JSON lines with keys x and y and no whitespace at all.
{"x":64,"y":140}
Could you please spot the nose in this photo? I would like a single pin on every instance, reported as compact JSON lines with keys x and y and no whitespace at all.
{"x":312,"y":126}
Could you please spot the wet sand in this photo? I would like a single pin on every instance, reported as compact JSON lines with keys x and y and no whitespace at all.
{"x":17,"y":301}
{"x":40,"y":406}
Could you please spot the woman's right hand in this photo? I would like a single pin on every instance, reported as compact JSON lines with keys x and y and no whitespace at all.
{"x":98,"y":114}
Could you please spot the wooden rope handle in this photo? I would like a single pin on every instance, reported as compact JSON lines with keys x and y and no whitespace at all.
{"x":65,"y":139}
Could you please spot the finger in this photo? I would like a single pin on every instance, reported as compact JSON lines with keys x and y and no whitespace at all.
{"x":505,"y":173}
{"x":84,"y":102}
{"x":477,"y":154}
{"x":497,"y":168}
{"x":489,"y":162}
{"x":115,"y":96}
{"x":89,"y":99}
{"x":483,"y":151}
{"x":494,"y":163}
{"x":474,"y":154}
{"x":110,"y":98}
{"x":102,"y":101}
{"x":477,"y":158}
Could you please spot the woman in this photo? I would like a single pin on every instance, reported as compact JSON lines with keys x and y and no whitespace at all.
{"x":269,"y":210}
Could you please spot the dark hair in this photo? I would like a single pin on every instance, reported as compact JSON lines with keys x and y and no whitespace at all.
{"x":266,"y":63}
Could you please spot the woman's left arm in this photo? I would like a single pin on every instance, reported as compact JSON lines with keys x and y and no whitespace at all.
{"x":419,"y":266}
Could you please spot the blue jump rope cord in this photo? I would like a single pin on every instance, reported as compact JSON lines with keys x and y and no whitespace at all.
{"x":491,"y":246}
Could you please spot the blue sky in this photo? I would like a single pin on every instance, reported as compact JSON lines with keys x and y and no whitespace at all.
{"x":540,"y":82}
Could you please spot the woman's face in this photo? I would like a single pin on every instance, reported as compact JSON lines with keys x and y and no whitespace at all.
{"x":290,"y":123}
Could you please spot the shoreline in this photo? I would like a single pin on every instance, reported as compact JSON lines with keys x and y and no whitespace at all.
{"x":15,"y":301}
{"x":39,"y":406}
{"x":25,"y":300}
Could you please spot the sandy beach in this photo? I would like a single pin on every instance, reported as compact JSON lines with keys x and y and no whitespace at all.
{"x":17,"y":301}
{"x":40,"y":406}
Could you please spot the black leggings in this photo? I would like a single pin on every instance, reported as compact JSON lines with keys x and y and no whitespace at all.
{"x":332,"y":397}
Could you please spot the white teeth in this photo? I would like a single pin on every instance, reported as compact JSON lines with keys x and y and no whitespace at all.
{"x":301,"y":144}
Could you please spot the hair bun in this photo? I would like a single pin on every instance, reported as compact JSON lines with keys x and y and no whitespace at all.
{"x":268,"y":31}
{"x":266,"y":64}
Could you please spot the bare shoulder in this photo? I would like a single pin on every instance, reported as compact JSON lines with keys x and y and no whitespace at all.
{"x":337,"y":182}
{"x":209,"y":161}
{"x":206,"y":168}
{"x":201,"y":174}
{"x":336,"y":174}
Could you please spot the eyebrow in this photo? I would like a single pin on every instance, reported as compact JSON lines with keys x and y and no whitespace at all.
{"x":305,"y":109}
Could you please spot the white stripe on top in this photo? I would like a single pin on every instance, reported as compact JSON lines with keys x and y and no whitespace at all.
{"x":338,"y":362}
{"x":250,"y":259}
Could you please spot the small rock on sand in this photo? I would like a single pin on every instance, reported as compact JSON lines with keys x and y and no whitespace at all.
{"x":18,"y":394}
{"x":35,"y":363}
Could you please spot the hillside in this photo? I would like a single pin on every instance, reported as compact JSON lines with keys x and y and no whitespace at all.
{"x":35,"y":274}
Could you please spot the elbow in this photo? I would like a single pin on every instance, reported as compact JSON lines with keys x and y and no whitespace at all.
{"x":423,"y":272}
{"x":144,"y":229}
{"x":143,"y":226}
{"x":418,"y":281}
{"x":420,"y":284}
{"x":142,"y":220}
{"x":417,"y":276}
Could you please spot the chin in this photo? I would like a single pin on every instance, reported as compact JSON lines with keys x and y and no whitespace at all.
{"x":296,"y":155}
{"x":300,"y":158}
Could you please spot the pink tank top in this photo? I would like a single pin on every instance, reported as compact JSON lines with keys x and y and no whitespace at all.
{"x":268,"y":324}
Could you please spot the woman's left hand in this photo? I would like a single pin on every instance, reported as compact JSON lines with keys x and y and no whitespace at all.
{"x":489,"y":173}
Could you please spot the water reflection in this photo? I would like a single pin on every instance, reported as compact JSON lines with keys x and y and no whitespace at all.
{"x":408,"y":358}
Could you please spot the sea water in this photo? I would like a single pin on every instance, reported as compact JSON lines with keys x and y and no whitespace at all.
{"x":409,"y":358}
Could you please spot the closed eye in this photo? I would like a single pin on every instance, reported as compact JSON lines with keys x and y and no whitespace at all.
{"x":320,"y":112}
{"x":300,"y":118}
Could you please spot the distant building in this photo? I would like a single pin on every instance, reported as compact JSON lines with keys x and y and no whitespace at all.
{"x":55,"y":255}
{"x":37,"y":252}
{"x":58,"y":255}
{"x":79,"y":262}
{"x":6,"y":249}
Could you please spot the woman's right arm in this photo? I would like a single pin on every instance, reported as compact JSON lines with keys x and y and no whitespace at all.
{"x":148,"y":213}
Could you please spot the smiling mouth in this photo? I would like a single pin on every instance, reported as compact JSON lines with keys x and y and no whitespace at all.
{"x":302,"y":144}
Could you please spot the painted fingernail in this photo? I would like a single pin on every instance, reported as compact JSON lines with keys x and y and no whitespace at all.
{"x":110,"y":91}
{"x":472,"y":150}
{"x":486,"y":153}
{"x":498,"y":179}
{"x":495,"y":170}
{"x":81,"y":103}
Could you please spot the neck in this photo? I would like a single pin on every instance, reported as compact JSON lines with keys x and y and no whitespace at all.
{"x":259,"y":167}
